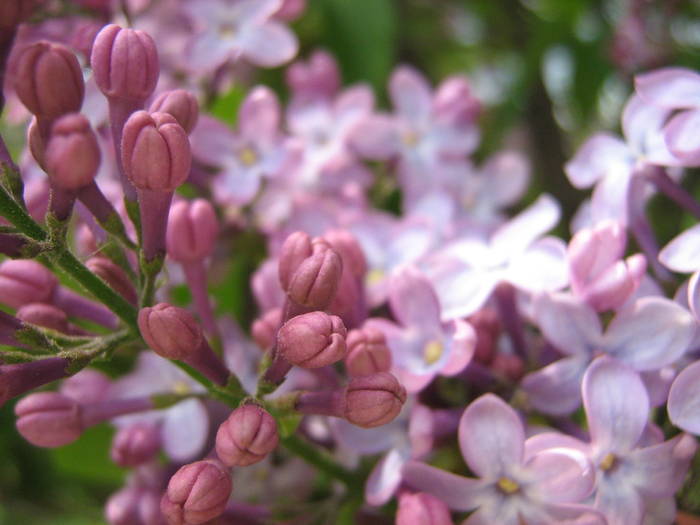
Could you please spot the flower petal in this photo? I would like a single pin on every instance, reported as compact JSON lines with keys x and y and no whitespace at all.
{"x":616,"y":404}
{"x":462,"y":346}
{"x":385,"y":478}
{"x":542,"y":267}
{"x":570,"y":325}
{"x":491,"y":437}
{"x":556,"y":388}
{"x":185,"y":430}
{"x":410,"y":93}
{"x":682,"y":134}
{"x":413,"y":301}
{"x":522,"y":230}
{"x":671,"y":87}
{"x":596,"y":158}
{"x":269,"y":45}
{"x":458,"y":492}
{"x":682,"y":254}
{"x":560,"y":475}
{"x":259,"y":116}
{"x":684,"y":399}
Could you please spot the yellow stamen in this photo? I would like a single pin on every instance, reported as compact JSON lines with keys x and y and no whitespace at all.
{"x":375,"y":276}
{"x":432,"y":352}
{"x":410,"y":138}
{"x":181,"y":388}
{"x":608,"y":462}
{"x":247,"y":156}
{"x":508,"y":486}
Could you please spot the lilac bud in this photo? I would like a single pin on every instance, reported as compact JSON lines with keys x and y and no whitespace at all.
{"x":48,"y":419}
{"x":455,"y":102}
{"x":487,"y":326}
{"x":125,"y":63}
{"x":264,"y":328}
{"x":135,"y":444}
{"x":180,"y":104}
{"x":422,"y":509}
{"x":313,"y":282}
{"x":170,"y":331}
{"x":72,"y":155}
{"x":367,"y":352}
{"x":155,"y":152}
{"x":14,"y":12}
{"x":312,"y":340}
{"x":24,"y":281}
{"x":114,"y":276}
{"x":134,"y":505}
{"x":371,"y":401}
{"x":87,"y":386}
{"x":295,"y":250}
{"x":345,"y":243}
{"x":290,"y":10}
{"x":246,"y":437}
{"x":197,"y":493}
{"x":46,"y":315}
{"x":318,"y":77}
{"x":23,"y":377}
{"x":36,"y":143}
{"x":192,"y":231}
{"x":49,"y":80}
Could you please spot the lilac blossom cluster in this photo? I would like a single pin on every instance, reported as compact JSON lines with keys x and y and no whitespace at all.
{"x":383,"y":342}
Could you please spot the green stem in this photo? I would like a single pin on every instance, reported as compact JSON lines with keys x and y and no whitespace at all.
{"x":320,"y":460}
{"x":214,"y":391}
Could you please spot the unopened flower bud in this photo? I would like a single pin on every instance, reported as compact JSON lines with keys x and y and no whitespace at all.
{"x":422,"y":509}
{"x":155,"y":152}
{"x":509,"y":366}
{"x":246,"y":437}
{"x":170,"y":331}
{"x":295,"y":250}
{"x":49,"y":80}
{"x":114,"y":276}
{"x":312,"y":340}
{"x":290,"y":10}
{"x":24,"y":281}
{"x":264,"y":328}
{"x":72,"y":155}
{"x":49,"y":419}
{"x":487,"y":326}
{"x":19,"y":378}
{"x":125,"y":63}
{"x":345,"y":243}
{"x":14,"y":12}
{"x":46,"y":315}
{"x":455,"y":102}
{"x":318,"y":77}
{"x":87,"y":386}
{"x":197,"y":493}
{"x":368,"y":352}
{"x":134,"y":505}
{"x":371,"y":401}
{"x":192,"y":231}
{"x":135,"y":444}
{"x":315,"y":280}
{"x":179,"y":103}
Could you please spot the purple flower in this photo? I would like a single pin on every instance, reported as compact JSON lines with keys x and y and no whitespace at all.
{"x":228,"y":29}
{"x":647,"y":335}
{"x":421,"y":345}
{"x":512,"y":487}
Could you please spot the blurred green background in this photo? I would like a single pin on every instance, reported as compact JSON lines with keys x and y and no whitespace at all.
{"x":550,"y":73}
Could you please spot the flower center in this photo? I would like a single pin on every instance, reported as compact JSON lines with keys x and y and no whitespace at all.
{"x":508,"y":486}
{"x":374,"y":276}
{"x":227,"y":31}
{"x":608,"y":462}
{"x":410,"y":139}
{"x":248,"y":156}
{"x":432,"y":352}
{"x":181,"y":388}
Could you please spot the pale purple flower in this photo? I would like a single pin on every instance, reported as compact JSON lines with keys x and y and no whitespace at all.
{"x":513,"y":487}
{"x":678,"y":89}
{"x":647,"y":335}
{"x":421,"y":345}
{"x":229,"y":29}
{"x":184,"y":426}
{"x":609,"y":162}
{"x":684,"y":399}
{"x":682,"y":255}
{"x":466,"y":271}
{"x":634,"y":465}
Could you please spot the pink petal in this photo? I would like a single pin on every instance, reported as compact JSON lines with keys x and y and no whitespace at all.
{"x":682,"y":134}
{"x":556,"y":388}
{"x":259,"y":116}
{"x":413,"y":301}
{"x":596,"y":158}
{"x":542,"y":267}
{"x":207,"y":51}
{"x":462,"y":346}
{"x":269,"y":45}
{"x":385,"y":478}
{"x":570,"y":325}
{"x":375,"y":137}
{"x":507,"y":174}
{"x":684,"y":399}
{"x":252,"y":11}
{"x":522,"y":230}
{"x":410,"y":93}
{"x":694,"y":294}
{"x":459,"y":493}
{"x":621,"y":505}
{"x":651,"y":333}
{"x":185,"y":430}
{"x":671,"y":87}
{"x":462,"y":291}
{"x":641,"y":121}
{"x":560,"y":476}
{"x":491,"y":437}
{"x":611,"y":196}
{"x":682,"y":254}
{"x":616,"y":403}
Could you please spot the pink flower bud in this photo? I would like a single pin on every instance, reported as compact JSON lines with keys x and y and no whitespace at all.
{"x":36,"y":143}
{"x":72,"y":155}
{"x":314,"y":282}
{"x":592,"y":251}
{"x":170,"y":331}
{"x":455,"y":102}
{"x":48,"y":419}
{"x":14,"y":12}
{"x":246,"y":437}
{"x":422,"y":509}
{"x":46,"y":315}
{"x":197,"y":493}
{"x":87,"y":386}
{"x":49,"y":80}
{"x":114,"y":276}
{"x":264,"y":328}
{"x":125,"y":63}
{"x":345,"y":243}
{"x":134,"y":505}
{"x":318,"y":77}
{"x":192,"y":231}
{"x":616,"y":284}
{"x":371,"y":401}
{"x":312,"y":340}
{"x":25,"y":281}
{"x":487,"y":326}
{"x":367,"y":352}
{"x":180,"y":104}
{"x":19,"y":378}
{"x":155,"y":152}
{"x":135,"y":444}
{"x":290,"y":10}
{"x":295,"y":250}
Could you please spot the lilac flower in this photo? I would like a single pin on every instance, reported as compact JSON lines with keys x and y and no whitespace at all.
{"x":466,"y":271}
{"x":647,"y":335}
{"x":682,"y":255}
{"x":676,"y":88}
{"x":228,"y":29}
{"x":633,"y":466}
{"x":421,"y":345}
{"x":512,"y":487}
{"x":609,"y":162}
{"x":184,"y":426}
